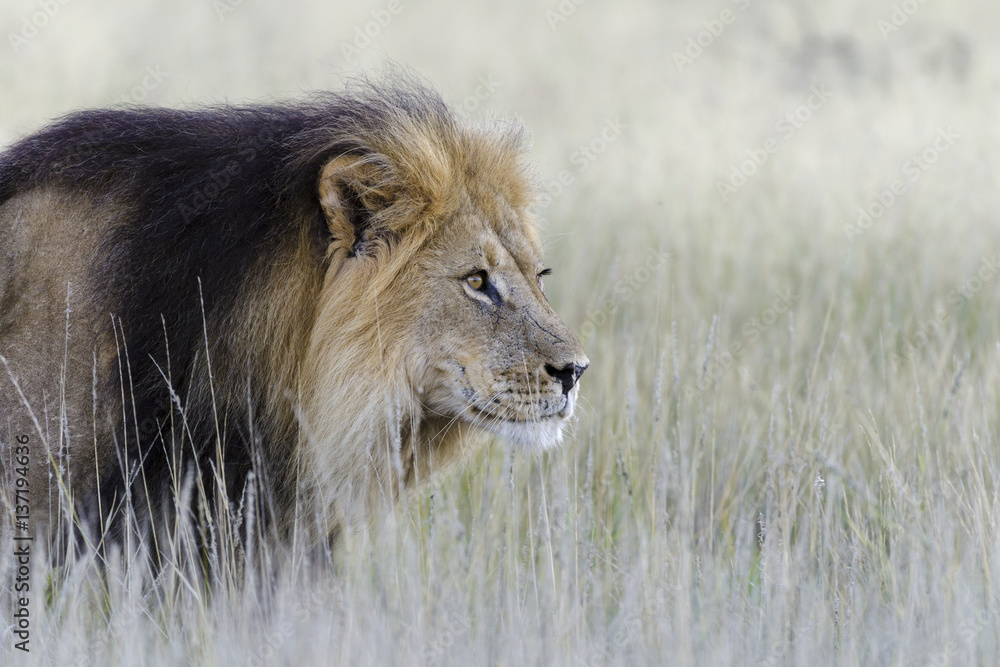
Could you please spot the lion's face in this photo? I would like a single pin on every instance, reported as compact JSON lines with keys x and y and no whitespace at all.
{"x":436,"y":265}
{"x":498,"y":356}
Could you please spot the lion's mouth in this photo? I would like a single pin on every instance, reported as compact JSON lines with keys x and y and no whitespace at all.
{"x":489,"y":415}
{"x":499,"y":416}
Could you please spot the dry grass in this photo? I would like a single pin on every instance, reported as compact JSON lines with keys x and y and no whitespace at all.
{"x":826,"y":494}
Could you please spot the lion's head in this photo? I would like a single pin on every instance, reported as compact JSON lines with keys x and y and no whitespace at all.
{"x":434,"y":310}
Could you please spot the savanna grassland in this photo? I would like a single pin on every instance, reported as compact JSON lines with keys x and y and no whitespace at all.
{"x":776,"y":227}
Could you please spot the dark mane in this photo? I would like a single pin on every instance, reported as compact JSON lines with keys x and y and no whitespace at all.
{"x":202,"y":197}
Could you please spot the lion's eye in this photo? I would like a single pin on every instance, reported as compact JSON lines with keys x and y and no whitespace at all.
{"x":477,"y":281}
{"x":481,"y":283}
{"x":544,"y":272}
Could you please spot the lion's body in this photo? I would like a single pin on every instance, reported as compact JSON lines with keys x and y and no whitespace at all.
{"x":176,"y":295}
{"x":46,"y":234}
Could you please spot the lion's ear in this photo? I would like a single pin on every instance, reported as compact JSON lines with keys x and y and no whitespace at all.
{"x":353,"y":189}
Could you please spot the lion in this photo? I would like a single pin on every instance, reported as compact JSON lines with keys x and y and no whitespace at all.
{"x":326,"y":303}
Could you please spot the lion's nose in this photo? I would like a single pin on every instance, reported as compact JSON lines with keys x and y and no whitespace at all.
{"x":567,"y":375}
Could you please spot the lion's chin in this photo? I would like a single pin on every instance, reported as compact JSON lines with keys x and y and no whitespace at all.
{"x":538,"y":435}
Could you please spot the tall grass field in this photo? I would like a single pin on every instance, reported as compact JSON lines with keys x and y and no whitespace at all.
{"x":776,"y":228}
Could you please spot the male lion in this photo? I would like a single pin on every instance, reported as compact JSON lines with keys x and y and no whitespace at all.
{"x":334,"y":296}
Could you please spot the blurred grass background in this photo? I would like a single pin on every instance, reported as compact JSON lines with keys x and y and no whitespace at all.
{"x":788,"y":446}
